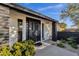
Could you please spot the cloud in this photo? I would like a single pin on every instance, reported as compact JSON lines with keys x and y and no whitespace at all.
{"x":51,"y":7}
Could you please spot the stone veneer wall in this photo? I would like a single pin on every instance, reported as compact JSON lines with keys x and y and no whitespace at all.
{"x":4,"y":24}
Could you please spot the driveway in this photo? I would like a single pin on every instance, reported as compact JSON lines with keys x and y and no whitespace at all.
{"x":53,"y":50}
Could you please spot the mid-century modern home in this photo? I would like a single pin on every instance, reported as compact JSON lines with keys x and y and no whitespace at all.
{"x":18,"y":23}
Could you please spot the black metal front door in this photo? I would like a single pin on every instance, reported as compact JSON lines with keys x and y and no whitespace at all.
{"x":33,"y":29}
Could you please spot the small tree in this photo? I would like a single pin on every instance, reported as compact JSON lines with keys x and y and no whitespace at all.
{"x":72,"y":11}
{"x":63,"y":26}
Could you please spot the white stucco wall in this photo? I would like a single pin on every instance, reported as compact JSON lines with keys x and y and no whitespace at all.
{"x":47,"y":29}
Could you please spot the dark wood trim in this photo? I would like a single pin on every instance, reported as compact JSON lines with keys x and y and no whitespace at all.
{"x":42,"y":31}
{"x":20,"y":31}
{"x":54,"y":34}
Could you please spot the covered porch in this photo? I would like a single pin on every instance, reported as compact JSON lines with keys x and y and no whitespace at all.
{"x":37,"y":29}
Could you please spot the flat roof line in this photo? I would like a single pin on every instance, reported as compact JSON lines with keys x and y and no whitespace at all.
{"x":19,"y":7}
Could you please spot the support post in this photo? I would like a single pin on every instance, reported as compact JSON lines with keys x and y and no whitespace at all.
{"x":54,"y":31}
{"x":41,"y":31}
{"x":24,"y":30}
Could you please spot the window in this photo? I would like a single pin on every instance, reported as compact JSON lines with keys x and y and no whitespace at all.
{"x":20,"y":25}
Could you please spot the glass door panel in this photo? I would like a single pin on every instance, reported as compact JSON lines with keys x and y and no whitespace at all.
{"x":33,"y":29}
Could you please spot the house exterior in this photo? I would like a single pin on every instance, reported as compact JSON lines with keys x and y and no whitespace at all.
{"x":18,"y":23}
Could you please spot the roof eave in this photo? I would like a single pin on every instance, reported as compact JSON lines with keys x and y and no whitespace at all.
{"x":29,"y":11}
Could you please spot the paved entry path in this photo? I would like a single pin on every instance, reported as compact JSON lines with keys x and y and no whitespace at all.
{"x":53,"y":50}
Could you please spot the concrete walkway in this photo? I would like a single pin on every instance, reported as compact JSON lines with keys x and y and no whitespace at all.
{"x":52,"y":50}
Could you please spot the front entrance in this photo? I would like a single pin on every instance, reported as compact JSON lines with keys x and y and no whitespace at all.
{"x":33,"y":29}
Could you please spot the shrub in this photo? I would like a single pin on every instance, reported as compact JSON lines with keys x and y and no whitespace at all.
{"x":17,"y":49}
{"x":25,"y":48}
{"x":30,"y":42}
{"x":17,"y":45}
{"x":17,"y":52}
{"x":63,"y":40}
{"x":74,"y":45}
{"x":29,"y":47}
{"x":72,"y":42}
{"x":5,"y":51}
{"x":27,"y":53}
{"x":60,"y":44}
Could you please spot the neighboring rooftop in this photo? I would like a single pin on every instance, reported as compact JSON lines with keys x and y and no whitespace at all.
{"x":24,"y":9}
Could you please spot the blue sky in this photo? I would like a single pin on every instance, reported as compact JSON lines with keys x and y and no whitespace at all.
{"x":52,"y":10}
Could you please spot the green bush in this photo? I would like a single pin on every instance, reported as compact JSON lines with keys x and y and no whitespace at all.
{"x":17,"y":49}
{"x":17,"y":53}
{"x":25,"y":48}
{"x":63,"y":40}
{"x":5,"y":51}
{"x":17,"y":45}
{"x":74,"y":45}
{"x":72,"y":42}
{"x":27,"y":53}
{"x":30,"y":42}
{"x":29,"y":46}
{"x":61,"y":45}
{"x":30,"y":49}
